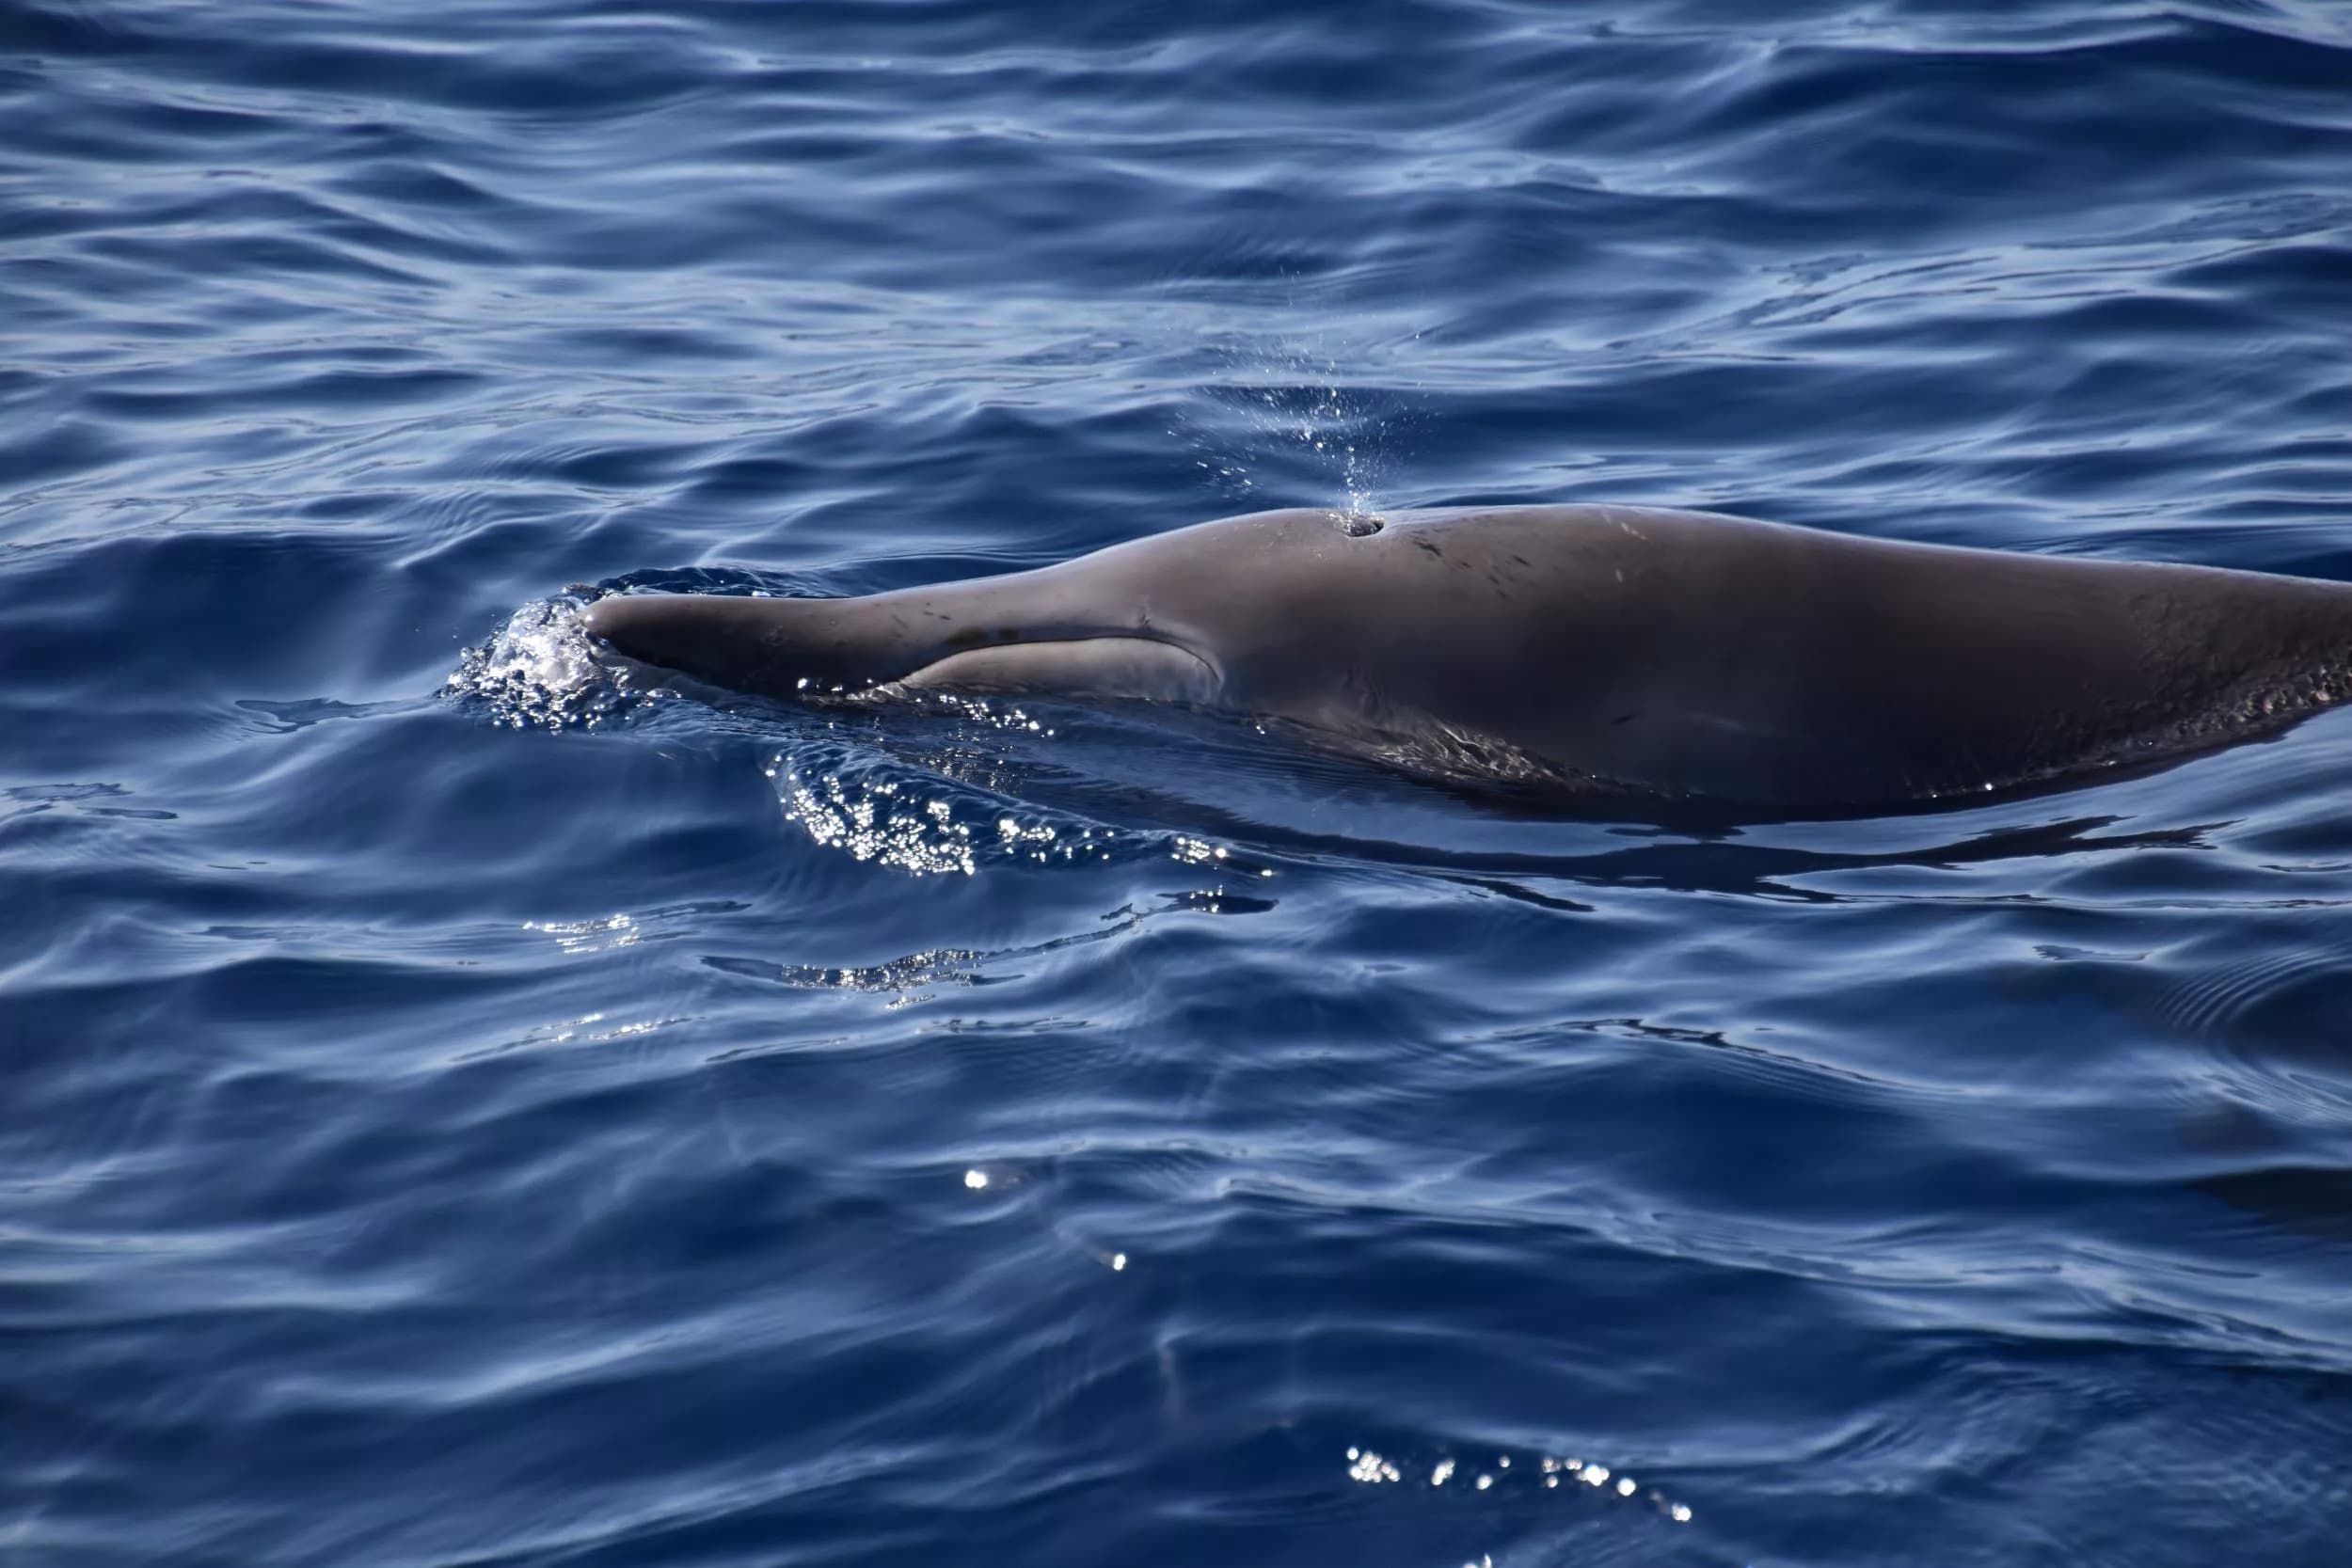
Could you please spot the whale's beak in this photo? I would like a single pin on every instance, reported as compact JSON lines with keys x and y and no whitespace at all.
{"x":633,"y":626}
{"x":822,"y":647}
{"x":770,"y":646}
{"x":696,"y":634}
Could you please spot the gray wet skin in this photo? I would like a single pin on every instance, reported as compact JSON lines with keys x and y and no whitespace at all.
{"x":1609,"y":649}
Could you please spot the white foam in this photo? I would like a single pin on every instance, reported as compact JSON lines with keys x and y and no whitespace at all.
{"x":540,"y":671}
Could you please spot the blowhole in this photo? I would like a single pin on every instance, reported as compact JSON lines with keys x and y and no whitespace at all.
{"x":1356,"y":525}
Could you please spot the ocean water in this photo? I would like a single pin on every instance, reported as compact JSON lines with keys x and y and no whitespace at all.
{"x":462,"y":1107}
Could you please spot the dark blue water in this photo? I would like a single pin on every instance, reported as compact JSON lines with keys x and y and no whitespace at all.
{"x":459,"y":1109}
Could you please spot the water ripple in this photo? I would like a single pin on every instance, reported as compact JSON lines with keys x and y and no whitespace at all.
{"x":569,"y":1117}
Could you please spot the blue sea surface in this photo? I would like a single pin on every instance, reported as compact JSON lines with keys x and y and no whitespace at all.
{"x":463,"y":1106}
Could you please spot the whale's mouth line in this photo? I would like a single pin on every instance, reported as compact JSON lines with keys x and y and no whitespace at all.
{"x":801,"y":648}
{"x":1110,"y":664}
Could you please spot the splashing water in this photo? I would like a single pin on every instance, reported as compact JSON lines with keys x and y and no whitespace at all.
{"x":1549,"y":1473}
{"x":913,"y":834}
{"x":953,"y":808}
{"x":956,"y":811}
{"x":1285,"y":395}
{"x":882,"y":810}
{"x":540,"y":671}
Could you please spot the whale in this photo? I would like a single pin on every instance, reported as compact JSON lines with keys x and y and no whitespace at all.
{"x":1585,"y":651}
